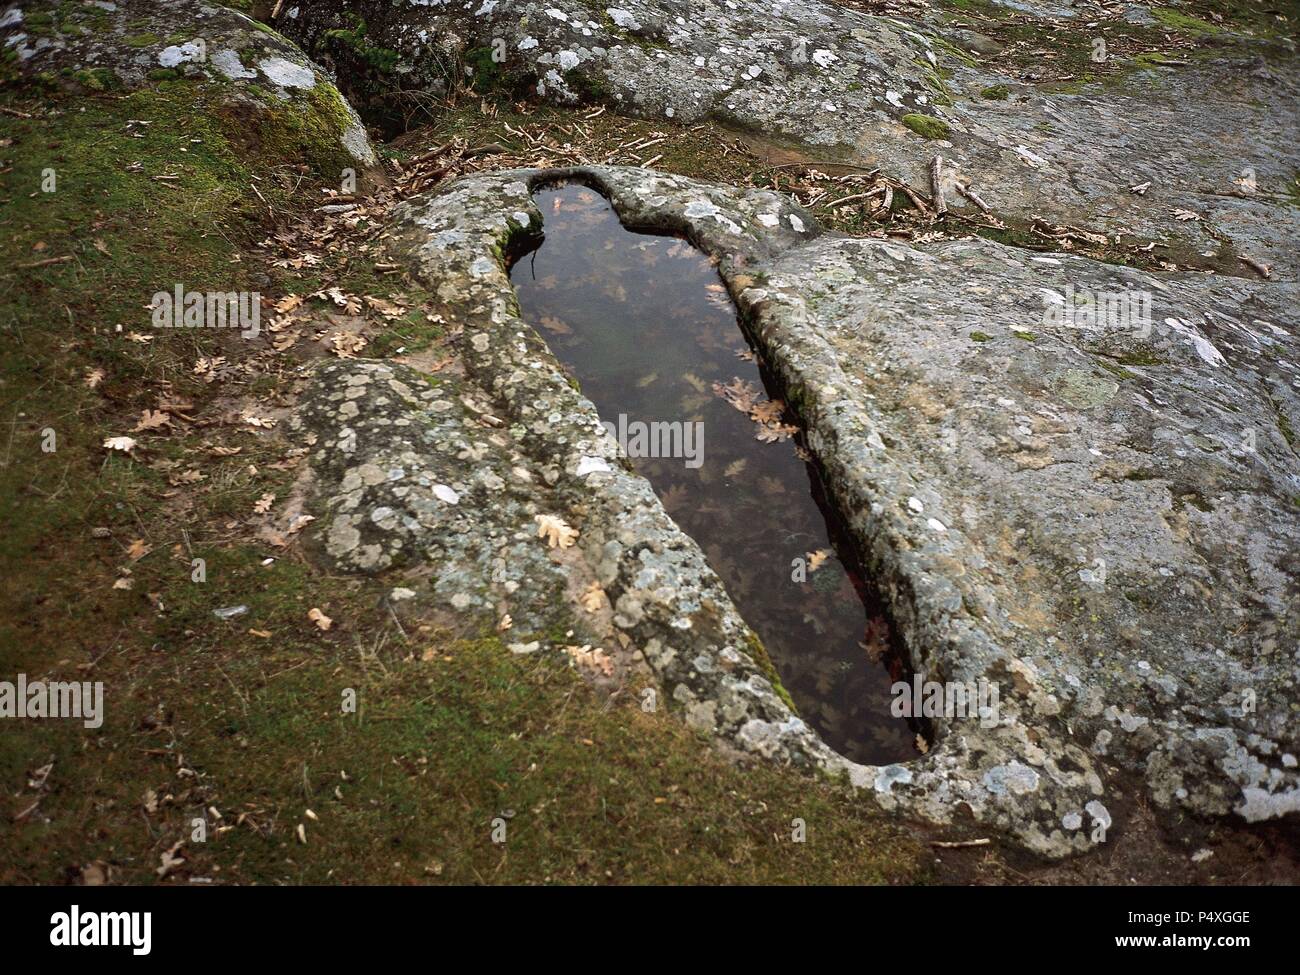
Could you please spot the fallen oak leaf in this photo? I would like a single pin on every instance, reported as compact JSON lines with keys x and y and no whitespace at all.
{"x":346,"y":344}
{"x":385,"y":308}
{"x":593,"y":599}
{"x":152,"y":420}
{"x":170,"y":861}
{"x":556,"y":531}
{"x":345,"y":301}
{"x":299,"y":522}
{"x":204,"y":365}
{"x":124,"y":444}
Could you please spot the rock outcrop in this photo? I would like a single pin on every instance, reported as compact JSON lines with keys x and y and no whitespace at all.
{"x":1098,"y":514}
{"x":1196,"y":132}
{"x":271,"y":92}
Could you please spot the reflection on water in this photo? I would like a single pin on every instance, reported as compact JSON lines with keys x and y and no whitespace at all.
{"x":646,"y":326}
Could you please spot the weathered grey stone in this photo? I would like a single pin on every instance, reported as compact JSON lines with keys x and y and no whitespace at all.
{"x":1101,"y":520}
{"x":416,"y":476}
{"x":1203,"y":132}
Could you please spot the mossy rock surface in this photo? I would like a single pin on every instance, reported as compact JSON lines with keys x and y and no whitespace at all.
{"x":926,"y":125}
{"x":270,"y":91}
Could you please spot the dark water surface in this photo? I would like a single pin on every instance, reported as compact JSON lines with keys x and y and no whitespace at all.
{"x":645,"y":325}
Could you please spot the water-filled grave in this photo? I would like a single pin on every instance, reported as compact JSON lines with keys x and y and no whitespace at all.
{"x":646,"y":326}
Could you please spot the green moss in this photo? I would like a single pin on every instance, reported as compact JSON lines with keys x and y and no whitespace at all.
{"x":141,"y":40}
{"x":312,"y":132}
{"x":491,"y":77}
{"x":996,"y":93}
{"x":1141,"y":359}
{"x":926,"y":125}
{"x":1153,"y":58}
{"x":39,"y":24}
{"x":1025,"y":336}
{"x":1176,"y":20}
{"x":1117,"y":371}
{"x":985,"y":7}
{"x":980,"y":337}
{"x":589,"y":85}
{"x":758,"y":653}
{"x":97,"y":79}
{"x":1293,"y":189}
{"x":954,"y":52}
{"x":934,"y":80}
{"x":353,"y":40}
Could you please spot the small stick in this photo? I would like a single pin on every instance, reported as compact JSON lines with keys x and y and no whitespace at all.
{"x":960,"y":844}
{"x":426,"y":156}
{"x":67,"y":257}
{"x":1263,"y":269}
{"x":971,"y":195}
{"x":912,"y":195}
{"x":827,"y":162}
{"x":19,"y":817}
{"x":491,"y":149}
{"x":855,"y":197}
{"x":936,"y":186}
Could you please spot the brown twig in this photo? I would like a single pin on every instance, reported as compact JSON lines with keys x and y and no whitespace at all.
{"x":936,"y":186}
{"x":1259,"y":267}
{"x":59,"y":260}
{"x":917,"y":200}
{"x":971,"y":195}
